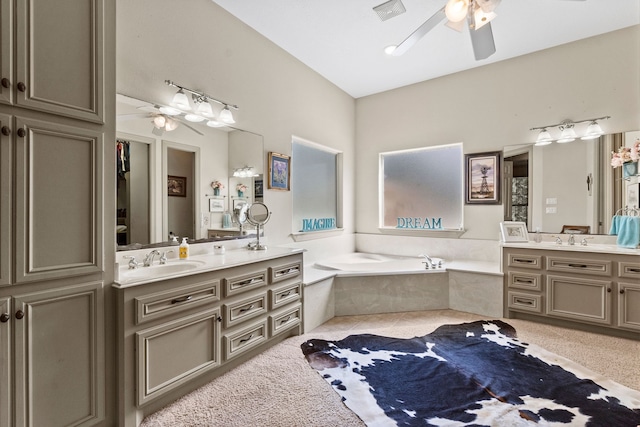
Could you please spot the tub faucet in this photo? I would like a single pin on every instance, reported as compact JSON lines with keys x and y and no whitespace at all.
{"x":428,"y":262}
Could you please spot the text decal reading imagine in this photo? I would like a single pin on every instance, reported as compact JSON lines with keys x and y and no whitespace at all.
{"x":317,"y":224}
{"x":420,"y":223}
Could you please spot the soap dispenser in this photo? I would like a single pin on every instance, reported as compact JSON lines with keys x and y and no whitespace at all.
{"x":184,"y":249}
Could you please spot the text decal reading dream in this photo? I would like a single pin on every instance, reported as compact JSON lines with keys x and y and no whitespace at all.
{"x":420,"y":223}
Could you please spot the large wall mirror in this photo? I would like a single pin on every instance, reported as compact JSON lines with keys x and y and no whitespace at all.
{"x":164,"y":178}
{"x":558,"y":185}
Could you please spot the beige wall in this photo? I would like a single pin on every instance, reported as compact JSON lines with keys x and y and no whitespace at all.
{"x":492,"y":106}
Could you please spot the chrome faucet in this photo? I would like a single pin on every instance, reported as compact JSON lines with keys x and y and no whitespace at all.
{"x":148,"y":260}
{"x":572,"y":240}
{"x":163,"y":257}
{"x":132,"y":261}
{"x":429,"y":261}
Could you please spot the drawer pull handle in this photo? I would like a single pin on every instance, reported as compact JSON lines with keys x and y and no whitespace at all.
{"x":633,"y":270}
{"x":523,"y":301}
{"x":523,"y":261}
{"x":245,"y":309}
{"x":181,"y":299}
{"x":530,"y":281}
{"x":285,"y":294}
{"x":244,"y":340}
{"x":287,"y":271}
{"x":248,"y":282}
{"x":4,"y":318}
{"x":578,"y":265}
{"x":285,"y":320}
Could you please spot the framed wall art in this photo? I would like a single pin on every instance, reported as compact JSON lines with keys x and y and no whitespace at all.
{"x":279,"y":172}
{"x":216,"y":205}
{"x":483,"y":174}
{"x":177,"y":186}
{"x":514,"y":231}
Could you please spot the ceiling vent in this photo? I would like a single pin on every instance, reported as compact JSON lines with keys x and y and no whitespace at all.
{"x":390,"y":9}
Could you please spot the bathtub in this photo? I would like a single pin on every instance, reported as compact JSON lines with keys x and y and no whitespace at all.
{"x":361,"y":264}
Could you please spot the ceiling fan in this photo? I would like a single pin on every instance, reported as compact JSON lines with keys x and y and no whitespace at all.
{"x":475,"y":14}
{"x":162,"y":122}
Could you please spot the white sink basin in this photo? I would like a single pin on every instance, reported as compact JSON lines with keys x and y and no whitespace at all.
{"x":159,"y":270}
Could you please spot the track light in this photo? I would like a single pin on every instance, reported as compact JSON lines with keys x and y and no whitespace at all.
{"x":568,"y":131}
{"x":203,"y":109}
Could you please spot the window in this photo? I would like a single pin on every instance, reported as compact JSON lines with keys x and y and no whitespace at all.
{"x":315,"y":186}
{"x":422,"y":189}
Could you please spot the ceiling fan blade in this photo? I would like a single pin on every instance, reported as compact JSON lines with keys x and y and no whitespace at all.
{"x":482,"y":42}
{"x":190,"y":127}
{"x":420,"y":32}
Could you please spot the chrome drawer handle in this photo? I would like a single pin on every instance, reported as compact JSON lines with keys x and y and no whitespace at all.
{"x":244,"y":340}
{"x":287,"y":271}
{"x":524,"y":280}
{"x":633,"y":270}
{"x":283,"y":321}
{"x":245,"y":309}
{"x":182,"y":299}
{"x":285,"y":294}
{"x":525,"y":302}
{"x":247,"y":282}
{"x":523,"y":261}
{"x":578,"y":265}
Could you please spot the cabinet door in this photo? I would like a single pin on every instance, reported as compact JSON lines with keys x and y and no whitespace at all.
{"x":580,"y":299}
{"x":6,"y":380}
{"x":6,"y":184}
{"x":60,"y":56}
{"x":629,"y":306}
{"x":6,"y":54}
{"x":59,"y":356}
{"x":58,"y":201}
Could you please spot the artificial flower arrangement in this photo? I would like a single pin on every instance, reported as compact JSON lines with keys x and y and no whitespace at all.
{"x":217,"y":184}
{"x":626,"y":155}
{"x":241,"y":187}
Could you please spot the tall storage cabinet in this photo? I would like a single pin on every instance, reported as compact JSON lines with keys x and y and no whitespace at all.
{"x":52,"y":182}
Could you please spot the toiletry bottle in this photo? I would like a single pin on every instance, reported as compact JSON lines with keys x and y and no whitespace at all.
{"x":184,"y":249}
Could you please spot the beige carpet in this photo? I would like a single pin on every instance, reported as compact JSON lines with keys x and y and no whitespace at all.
{"x":279,"y":388}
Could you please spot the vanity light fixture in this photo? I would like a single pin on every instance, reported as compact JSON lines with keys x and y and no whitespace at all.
{"x":203,"y":109}
{"x":245,"y":172}
{"x":568,"y":132}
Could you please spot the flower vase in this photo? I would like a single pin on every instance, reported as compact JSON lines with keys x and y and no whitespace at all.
{"x":240,"y":193}
{"x":629,"y":169}
{"x":216,"y":191}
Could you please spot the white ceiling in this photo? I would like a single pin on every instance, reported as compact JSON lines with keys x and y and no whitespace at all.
{"x":343,"y":40}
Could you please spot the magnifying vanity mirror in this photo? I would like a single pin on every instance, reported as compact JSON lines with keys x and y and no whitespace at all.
{"x":557,"y":186}
{"x":258,"y":214}
{"x":165,"y":176}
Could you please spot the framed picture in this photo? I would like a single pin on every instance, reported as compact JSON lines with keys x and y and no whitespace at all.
{"x":238,"y":202}
{"x":177,"y":186}
{"x":279,"y":172}
{"x":514,"y":231}
{"x":216,"y":205}
{"x":258,"y":188}
{"x":483,"y":175}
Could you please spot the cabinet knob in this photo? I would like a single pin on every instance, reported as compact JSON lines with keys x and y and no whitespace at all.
{"x":6,"y":131}
{"x":22,"y":87}
{"x":622,"y":291}
{"x":608,"y":289}
{"x":22,"y":133}
{"x":19,"y":314}
{"x":4,"y":317}
{"x":5,"y":83}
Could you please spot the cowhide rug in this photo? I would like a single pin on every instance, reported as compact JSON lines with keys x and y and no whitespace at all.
{"x":475,"y":373}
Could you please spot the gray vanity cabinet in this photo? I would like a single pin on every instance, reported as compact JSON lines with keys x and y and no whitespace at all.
{"x":577,"y":286}
{"x":177,"y":334}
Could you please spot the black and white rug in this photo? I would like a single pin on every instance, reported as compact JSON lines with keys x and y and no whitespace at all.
{"x":474,"y":373}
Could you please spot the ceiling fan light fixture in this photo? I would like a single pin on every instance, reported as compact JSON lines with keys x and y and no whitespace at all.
{"x":170,"y":124}
{"x":456,"y":10}
{"x":159,"y":121}
{"x":481,"y":18}
{"x":458,"y":26}
{"x":180,"y":100}
{"x":487,"y":6}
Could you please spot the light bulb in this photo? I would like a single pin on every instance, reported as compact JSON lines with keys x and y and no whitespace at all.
{"x":159,"y":121}
{"x":456,"y":10}
{"x":170,"y":125}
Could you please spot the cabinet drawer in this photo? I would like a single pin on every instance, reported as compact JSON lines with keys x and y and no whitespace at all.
{"x":160,"y":304}
{"x":248,"y":308}
{"x":284,"y":272}
{"x":286,"y":320}
{"x":580,"y":266}
{"x":529,"y":281}
{"x":525,"y":261}
{"x":245,"y":339}
{"x":629,"y":269}
{"x":245,"y":282}
{"x":579,"y":299}
{"x":284,"y":295}
{"x":523,"y":301}
{"x":173,"y":353}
